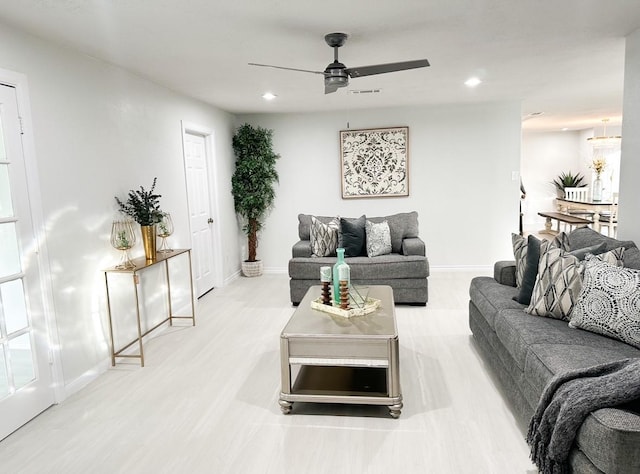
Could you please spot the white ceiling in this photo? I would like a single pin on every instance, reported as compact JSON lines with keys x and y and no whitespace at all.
{"x":563,"y":58}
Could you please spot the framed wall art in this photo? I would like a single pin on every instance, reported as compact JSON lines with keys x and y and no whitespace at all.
{"x":375,"y":162}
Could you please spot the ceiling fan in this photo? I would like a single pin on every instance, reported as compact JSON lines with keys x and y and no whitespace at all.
{"x":337,"y":75}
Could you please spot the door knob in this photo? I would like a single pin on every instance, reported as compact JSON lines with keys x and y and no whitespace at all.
{"x":210,"y":221}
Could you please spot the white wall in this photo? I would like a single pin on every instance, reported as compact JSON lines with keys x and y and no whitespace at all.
{"x":629,"y":227}
{"x":544,"y":157}
{"x":460,"y":166}
{"x":100,"y":131}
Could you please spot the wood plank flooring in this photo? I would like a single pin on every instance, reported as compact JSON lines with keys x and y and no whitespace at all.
{"x":207,"y":402}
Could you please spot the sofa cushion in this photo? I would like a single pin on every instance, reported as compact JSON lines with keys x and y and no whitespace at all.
{"x":383,"y":267}
{"x":401,"y":226}
{"x":520,"y":332}
{"x":304,"y":224}
{"x":324,"y":237}
{"x":489,"y":296}
{"x":546,"y":359}
{"x":353,"y":236}
{"x":609,"y":303}
{"x":585,"y":237}
{"x":378,"y":238}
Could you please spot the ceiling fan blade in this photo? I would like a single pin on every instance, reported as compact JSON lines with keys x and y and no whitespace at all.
{"x":286,"y":68}
{"x":383,"y":68}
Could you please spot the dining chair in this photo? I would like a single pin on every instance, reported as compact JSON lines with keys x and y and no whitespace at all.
{"x":578,"y":194}
{"x":609,"y":219}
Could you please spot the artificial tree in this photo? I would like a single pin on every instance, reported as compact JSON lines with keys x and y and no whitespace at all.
{"x":252,"y":183}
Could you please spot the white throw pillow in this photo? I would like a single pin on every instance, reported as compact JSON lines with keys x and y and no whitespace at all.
{"x":378,"y":238}
{"x":609,"y":303}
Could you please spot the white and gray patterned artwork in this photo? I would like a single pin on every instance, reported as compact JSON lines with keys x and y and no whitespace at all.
{"x":375,"y":162}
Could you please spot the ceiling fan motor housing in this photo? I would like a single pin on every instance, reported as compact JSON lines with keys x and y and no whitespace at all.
{"x":336,"y":75}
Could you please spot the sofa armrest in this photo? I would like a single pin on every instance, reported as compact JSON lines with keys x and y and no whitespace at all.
{"x":301,"y":248}
{"x":413,"y":246}
{"x":504,"y":272}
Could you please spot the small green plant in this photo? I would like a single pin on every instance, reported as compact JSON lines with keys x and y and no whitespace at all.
{"x":568,"y":180}
{"x":143,"y":206}
{"x":121,"y":240}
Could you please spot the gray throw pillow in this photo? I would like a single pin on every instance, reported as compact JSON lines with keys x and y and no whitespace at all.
{"x":530,"y":270}
{"x":609,"y":303}
{"x":520,"y":244}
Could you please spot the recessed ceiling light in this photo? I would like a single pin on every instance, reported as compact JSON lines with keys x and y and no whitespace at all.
{"x":565,"y":129}
{"x":269,"y":96}
{"x":472,"y":82}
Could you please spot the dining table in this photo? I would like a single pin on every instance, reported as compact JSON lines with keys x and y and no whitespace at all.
{"x":597,"y":207}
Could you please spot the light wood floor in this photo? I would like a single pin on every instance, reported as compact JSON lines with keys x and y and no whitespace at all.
{"x":207,"y":402}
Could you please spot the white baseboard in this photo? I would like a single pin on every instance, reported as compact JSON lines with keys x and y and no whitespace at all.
{"x":276,"y":270}
{"x":231,"y":278}
{"x":461,"y":268}
{"x":86,"y":378}
{"x":101,"y":367}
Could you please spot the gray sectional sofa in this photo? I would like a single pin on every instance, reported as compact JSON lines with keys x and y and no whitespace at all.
{"x":525,"y":351}
{"x":405,"y":269}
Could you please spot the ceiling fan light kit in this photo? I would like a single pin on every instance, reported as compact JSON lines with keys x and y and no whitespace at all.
{"x":337,"y":75}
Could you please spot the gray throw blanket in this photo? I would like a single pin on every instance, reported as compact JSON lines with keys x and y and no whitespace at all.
{"x":567,"y":400}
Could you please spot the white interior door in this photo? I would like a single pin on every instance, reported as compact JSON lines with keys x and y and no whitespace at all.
{"x":25,"y":372}
{"x":196,"y":154}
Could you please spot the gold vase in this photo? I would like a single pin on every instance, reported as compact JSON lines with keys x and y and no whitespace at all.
{"x":149,"y":241}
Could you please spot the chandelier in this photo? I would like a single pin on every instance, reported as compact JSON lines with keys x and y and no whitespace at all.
{"x":604,"y":141}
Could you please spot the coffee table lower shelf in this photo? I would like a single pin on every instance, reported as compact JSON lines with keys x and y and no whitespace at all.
{"x":340,"y":384}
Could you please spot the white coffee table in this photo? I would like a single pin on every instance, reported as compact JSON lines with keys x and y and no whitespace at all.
{"x":330,"y":359}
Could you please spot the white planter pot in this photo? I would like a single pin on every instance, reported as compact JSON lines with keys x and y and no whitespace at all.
{"x":252,"y":269}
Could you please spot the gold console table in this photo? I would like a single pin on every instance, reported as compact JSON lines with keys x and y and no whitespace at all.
{"x":141,"y":264}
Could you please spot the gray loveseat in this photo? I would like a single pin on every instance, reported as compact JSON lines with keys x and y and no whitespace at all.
{"x":526,"y":351}
{"x":405,"y":269}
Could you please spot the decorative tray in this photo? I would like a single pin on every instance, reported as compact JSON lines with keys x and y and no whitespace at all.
{"x":370,"y":305}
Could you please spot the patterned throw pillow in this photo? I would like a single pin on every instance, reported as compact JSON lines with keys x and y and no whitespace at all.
{"x":559,"y":281}
{"x":520,"y":247}
{"x":609,"y":303}
{"x":520,"y":255}
{"x":324,"y":237}
{"x":378,"y":238}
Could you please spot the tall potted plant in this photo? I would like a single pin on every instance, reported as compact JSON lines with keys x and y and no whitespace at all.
{"x":252,"y":186}
{"x":144,"y":207}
